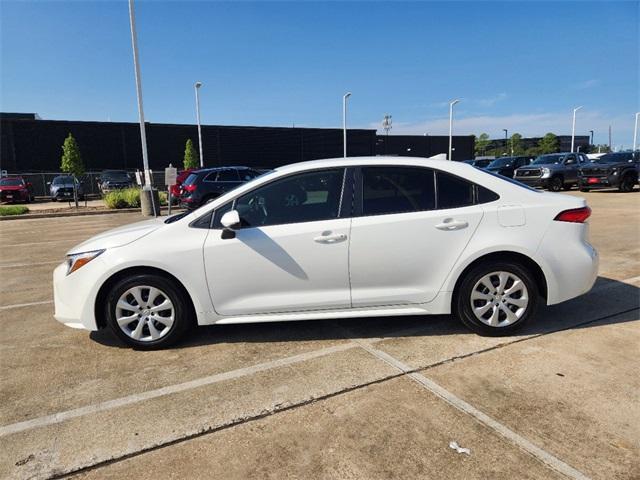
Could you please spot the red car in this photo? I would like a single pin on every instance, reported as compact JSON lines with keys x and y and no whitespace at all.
{"x":15,"y":189}
{"x":182,"y":176}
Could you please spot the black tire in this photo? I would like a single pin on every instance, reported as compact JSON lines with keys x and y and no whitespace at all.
{"x":556,"y":184}
{"x":183,"y":313}
{"x":567,"y":187}
{"x":584,"y":189}
{"x":627,"y":183}
{"x":462,"y":306}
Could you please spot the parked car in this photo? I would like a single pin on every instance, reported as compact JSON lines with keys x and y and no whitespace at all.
{"x":61,"y":188}
{"x":304,"y":242}
{"x":114,"y":180}
{"x":480,"y":163}
{"x":554,"y":171}
{"x":182,"y":176}
{"x":613,"y":170}
{"x":15,"y":189}
{"x":202,"y":186}
{"x":506,"y":166}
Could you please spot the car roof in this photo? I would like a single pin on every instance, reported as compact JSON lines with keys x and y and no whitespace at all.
{"x":215,"y":169}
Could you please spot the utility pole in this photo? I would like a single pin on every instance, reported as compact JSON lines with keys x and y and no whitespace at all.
{"x":609,"y":137}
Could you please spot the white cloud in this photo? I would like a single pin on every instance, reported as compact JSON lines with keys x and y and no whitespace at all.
{"x":593,"y":82}
{"x":491,"y":101}
{"x":527,"y":124}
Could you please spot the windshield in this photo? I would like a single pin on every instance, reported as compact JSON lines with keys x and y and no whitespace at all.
{"x":62,"y":180}
{"x":614,"y":158}
{"x":548,"y":159}
{"x":501,"y":162}
{"x":115,"y":176}
{"x":10,"y":182}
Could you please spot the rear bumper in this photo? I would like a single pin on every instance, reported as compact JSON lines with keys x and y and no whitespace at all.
{"x":572,"y":263}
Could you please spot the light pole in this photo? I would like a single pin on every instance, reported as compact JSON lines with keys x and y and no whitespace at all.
{"x":451,"y":104}
{"x":635,"y":133}
{"x":573,"y":127}
{"x":344,"y":122}
{"x":197,"y":89}
{"x":136,"y":64}
{"x":506,"y":141}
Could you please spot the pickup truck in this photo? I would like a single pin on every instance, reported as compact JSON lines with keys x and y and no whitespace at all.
{"x":554,"y":171}
{"x":613,"y":170}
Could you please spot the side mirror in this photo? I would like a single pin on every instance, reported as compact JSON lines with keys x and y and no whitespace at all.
{"x":231,"y":220}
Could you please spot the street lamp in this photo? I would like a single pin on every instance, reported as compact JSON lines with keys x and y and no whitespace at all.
{"x":344,"y":122}
{"x":506,"y":141}
{"x":197,"y":89}
{"x":635,"y":133}
{"x":451,"y":104}
{"x":573,"y":127}
{"x":136,"y":65}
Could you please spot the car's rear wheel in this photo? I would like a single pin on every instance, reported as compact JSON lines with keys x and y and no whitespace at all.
{"x":496,"y":298}
{"x":147,"y":311}
{"x":555,"y":184}
{"x":627,"y":183}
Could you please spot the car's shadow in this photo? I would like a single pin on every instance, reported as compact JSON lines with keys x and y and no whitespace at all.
{"x":576,"y":313}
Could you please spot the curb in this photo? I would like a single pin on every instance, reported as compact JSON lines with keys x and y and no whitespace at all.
{"x":29,"y":216}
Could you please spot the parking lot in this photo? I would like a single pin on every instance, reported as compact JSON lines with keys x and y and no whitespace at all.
{"x":358,"y":398}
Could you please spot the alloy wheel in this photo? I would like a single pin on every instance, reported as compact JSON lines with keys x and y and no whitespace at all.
{"x":145,"y":313}
{"x":499,"y":299}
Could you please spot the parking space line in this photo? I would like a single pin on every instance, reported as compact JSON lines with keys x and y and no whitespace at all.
{"x":19,"y":305}
{"x":171,"y":389}
{"x":17,"y":265}
{"x":456,"y":402}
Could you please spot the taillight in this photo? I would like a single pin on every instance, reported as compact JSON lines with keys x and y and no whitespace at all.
{"x":189,"y":188}
{"x":575,"y":215}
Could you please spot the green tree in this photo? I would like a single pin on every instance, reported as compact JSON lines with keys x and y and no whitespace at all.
{"x":549,"y":144}
{"x":482,"y":142}
{"x":72,"y":163}
{"x":516,"y":144}
{"x":190,"y":156}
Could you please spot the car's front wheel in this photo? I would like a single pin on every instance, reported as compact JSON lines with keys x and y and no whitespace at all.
{"x":496,"y":298}
{"x":627,"y":183}
{"x":555,"y":184}
{"x":147,"y":311}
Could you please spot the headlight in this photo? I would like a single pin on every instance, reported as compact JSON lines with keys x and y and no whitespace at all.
{"x":546,"y":172}
{"x":614,"y":171}
{"x":77,"y":260}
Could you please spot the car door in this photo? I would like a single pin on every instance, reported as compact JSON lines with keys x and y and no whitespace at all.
{"x":571,"y":168}
{"x":410,"y":226}
{"x":291,"y":252}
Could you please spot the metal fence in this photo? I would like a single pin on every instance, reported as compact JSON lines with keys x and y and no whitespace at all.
{"x":40,"y":181}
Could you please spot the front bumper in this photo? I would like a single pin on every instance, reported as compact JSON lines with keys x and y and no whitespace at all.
{"x":599,"y":181}
{"x":74,"y":295}
{"x":533,"y":181}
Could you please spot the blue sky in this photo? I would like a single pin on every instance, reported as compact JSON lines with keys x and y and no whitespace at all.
{"x":516,"y":65}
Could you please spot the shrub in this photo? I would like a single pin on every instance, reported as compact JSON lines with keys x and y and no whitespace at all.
{"x":13,"y":210}
{"x":128,"y":198}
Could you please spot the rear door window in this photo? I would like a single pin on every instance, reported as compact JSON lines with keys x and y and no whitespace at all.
{"x":453,"y":192}
{"x":229,"y":175}
{"x":387,"y":190}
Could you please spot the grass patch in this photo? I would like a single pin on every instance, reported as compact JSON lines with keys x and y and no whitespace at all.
{"x":128,"y":198}
{"x":13,"y":210}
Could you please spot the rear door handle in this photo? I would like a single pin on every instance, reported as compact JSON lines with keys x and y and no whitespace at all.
{"x":330,"y":238}
{"x":449,"y":224}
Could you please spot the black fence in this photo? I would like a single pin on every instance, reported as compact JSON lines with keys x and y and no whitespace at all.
{"x":34,"y":146}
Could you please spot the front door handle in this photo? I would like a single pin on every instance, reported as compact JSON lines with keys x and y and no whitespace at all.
{"x":330,"y":238}
{"x":449,"y":224}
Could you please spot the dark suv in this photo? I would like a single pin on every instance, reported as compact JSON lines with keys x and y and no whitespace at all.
{"x":506,"y":166}
{"x":613,"y":170}
{"x":114,"y":180}
{"x":555,"y":171}
{"x":202,"y":186}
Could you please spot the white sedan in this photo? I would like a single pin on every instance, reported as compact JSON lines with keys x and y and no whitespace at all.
{"x":357,"y":237}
